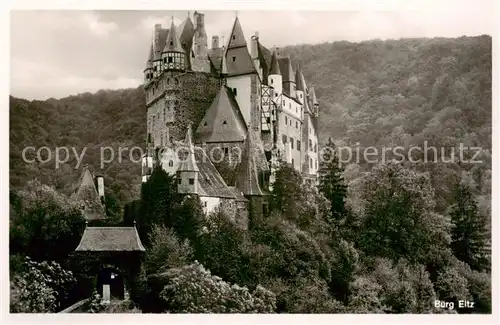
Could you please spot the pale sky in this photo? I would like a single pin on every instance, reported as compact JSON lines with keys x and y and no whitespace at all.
{"x":62,"y":53}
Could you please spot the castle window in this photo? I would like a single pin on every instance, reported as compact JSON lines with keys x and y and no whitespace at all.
{"x":268,"y":120}
{"x":226,"y":150}
{"x":235,"y":91}
{"x":224,"y":122}
{"x":234,"y":59}
{"x":289,"y":105}
{"x":191,"y":181}
{"x":315,"y":147}
{"x":286,"y":120}
{"x":298,"y":145}
{"x":170,"y":59}
{"x":284,"y":138}
{"x":296,"y":124}
{"x":234,"y":36}
{"x":293,"y":161}
{"x":272,"y":81}
{"x":205,"y":124}
{"x":179,"y":181}
{"x":310,"y":145}
{"x":205,"y":204}
{"x":291,"y":142}
{"x":310,"y":163}
{"x":170,"y":163}
{"x":316,"y":164}
{"x":171,"y":43}
{"x":290,"y":122}
{"x":275,"y":94}
{"x":283,"y":102}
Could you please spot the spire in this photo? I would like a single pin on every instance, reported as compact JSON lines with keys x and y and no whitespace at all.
{"x":313,"y":96}
{"x":275,"y":68}
{"x":236,"y":39}
{"x":189,"y":163}
{"x":223,"y":67}
{"x":299,"y":79}
{"x":149,"y":62}
{"x":173,"y":43}
{"x":248,"y":180}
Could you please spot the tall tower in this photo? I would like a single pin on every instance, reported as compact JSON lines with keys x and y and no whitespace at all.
{"x":188,"y":172}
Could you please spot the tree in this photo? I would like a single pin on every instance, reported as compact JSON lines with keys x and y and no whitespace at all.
{"x":469,"y":234}
{"x":166,"y":250}
{"x":331,"y":182}
{"x":399,"y":219}
{"x":287,"y":192}
{"x":158,"y":202}
{"x":47,"y":226}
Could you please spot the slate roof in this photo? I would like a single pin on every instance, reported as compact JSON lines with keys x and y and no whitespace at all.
{"x":163,"y":33}
{"x":223,"y":121}
{"x":215,"y":57}
{"x":275,"y":68}
{"x":237,"y":38}
{"x":85,"y":192}
{"x":149,"y":62}
{"x":237,"y":48}
{"x":238,"y":194}
{"x":189,"y":163}
{"x":313,"y":95}
{"x":264,"y":60}
{"x":299,"y":79}
{"x":286,"y":69}
{"x":106,"y":239}
{"x":172,"y":43}
{"x":247,"y":178}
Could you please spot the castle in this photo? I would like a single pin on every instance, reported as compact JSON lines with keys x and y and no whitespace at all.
{"x":228,"y":105}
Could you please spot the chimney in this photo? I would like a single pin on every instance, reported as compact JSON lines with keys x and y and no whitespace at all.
{"x":215,"y":42}
{"x":254,"y":52}
{"x":200,"y":20}
{"x":100,"y":188}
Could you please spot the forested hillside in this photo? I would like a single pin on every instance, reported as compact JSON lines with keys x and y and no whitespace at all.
{"x":375,"y":93}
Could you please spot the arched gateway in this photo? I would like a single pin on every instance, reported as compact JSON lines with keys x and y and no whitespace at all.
{"x":115,"y":257}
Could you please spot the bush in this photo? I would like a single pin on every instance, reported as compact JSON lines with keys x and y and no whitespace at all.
{"x":192,"y":289}
{"x":42,"y":288}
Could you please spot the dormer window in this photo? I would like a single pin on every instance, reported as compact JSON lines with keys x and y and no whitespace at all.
{"x":224,"y":122}
{"x":234,"y":36}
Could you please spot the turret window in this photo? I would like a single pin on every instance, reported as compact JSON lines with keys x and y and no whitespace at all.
{"x":191,"y":181}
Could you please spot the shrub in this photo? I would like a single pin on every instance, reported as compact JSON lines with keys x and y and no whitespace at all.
{"x":192,"y":289}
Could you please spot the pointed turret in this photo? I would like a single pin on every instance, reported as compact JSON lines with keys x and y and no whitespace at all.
{"x":189,"y":162}
{"x":148,"y":71}
{"x":300,"y":85}
{"x":275,"y":68}
{"x":275,"y":79}
{"x":315,"y":104}
{"x":288,"y":76}
{"x":248,"y":173}
{"x":223,"y":64}
{"x":238,"y":58}
{"x":173,"y":53}
{"x":299,"y":79}
{"x":87,"y":196}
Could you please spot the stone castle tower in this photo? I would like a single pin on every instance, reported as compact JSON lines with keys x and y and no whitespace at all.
{"x":237,"y":104}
